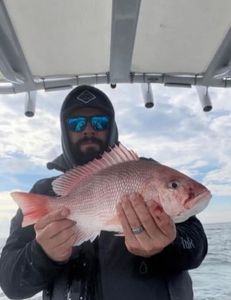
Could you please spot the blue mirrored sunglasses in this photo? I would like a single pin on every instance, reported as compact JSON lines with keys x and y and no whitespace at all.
{"x":79,"y":123}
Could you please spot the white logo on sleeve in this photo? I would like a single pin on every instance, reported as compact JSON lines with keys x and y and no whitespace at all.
{"x":187,"y":243}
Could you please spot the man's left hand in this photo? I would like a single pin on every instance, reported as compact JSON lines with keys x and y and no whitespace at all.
{"x":158,"y":228}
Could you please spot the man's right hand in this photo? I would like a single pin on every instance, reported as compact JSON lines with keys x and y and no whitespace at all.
{"x":56,"y":234}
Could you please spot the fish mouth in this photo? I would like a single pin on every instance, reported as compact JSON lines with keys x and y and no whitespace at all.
{"x":194,"y":206}
{"x":190,"y":201}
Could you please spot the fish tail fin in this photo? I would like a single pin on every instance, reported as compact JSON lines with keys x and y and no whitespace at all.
{"x":33,"y":206}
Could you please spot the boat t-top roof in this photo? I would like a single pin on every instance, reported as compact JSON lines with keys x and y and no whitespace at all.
{"x":58,"y":44}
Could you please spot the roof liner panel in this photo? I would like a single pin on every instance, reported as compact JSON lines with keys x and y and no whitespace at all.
{"x":165,"y":43}
{"x":57,"y":38}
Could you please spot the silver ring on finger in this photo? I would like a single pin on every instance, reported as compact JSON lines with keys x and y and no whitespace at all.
{"x":137,"y":230}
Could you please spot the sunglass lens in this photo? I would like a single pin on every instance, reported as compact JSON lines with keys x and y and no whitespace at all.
{"x":76,"y":124}
{"x":100,"y":123}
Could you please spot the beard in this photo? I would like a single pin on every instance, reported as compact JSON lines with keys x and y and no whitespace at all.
{"x":81,"y":157}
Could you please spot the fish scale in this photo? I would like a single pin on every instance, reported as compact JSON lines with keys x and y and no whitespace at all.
{"x":91,"y":192}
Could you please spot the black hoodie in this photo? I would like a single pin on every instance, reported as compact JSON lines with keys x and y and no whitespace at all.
{"x":82,"y":96}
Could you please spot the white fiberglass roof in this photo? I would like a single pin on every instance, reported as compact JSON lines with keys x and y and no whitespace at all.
{"x":56,"y":43}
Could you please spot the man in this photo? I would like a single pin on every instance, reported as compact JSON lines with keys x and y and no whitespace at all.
{"x":148,"y":264}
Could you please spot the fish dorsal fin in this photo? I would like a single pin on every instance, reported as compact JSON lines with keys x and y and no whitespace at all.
{"x":66,"y":182}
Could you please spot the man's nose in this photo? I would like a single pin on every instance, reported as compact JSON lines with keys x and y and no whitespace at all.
{"x":88,"y":130}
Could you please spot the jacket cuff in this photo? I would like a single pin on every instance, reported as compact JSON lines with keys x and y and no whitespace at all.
{"x":186,"y":252}
{"x":41,"y":260}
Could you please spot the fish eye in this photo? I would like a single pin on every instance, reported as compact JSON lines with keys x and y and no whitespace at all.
{"x":174,"y":184}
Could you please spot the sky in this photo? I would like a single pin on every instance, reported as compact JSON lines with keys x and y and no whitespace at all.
{"x":175,"y":132}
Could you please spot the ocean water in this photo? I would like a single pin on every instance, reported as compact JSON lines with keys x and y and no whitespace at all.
{"x":212,"y":279}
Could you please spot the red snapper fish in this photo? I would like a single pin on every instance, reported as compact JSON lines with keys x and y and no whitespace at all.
{"x":92,"y":191}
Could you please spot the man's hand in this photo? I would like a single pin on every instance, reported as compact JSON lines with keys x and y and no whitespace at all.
{"x":56,"y":234}
{"x":159,"y":229}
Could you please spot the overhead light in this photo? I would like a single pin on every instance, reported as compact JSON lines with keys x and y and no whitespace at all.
{"x":113,"y":85}
{"x":147,"y":94}
{"x":30,"y":103}
{"x":204,"y":98}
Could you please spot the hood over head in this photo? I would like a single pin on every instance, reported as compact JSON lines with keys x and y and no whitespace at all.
{"x":80,"y":97}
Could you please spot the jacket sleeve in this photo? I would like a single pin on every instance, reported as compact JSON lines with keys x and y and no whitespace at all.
{"x":186,"y":252}
{"x":25,"y":269}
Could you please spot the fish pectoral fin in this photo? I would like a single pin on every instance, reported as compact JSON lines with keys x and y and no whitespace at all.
{"x":84,"y":235}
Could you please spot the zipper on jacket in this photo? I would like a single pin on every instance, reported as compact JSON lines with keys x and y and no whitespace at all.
{"x":98,"y":291}
{"x":84,"y":284}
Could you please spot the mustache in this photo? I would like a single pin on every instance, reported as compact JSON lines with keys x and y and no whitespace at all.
{"x":84,"y":157}
{"x":89,"y":139}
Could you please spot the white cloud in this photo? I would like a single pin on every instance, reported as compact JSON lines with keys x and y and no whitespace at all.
{"x":220,"y":175}
{"x":216,"y":214}
{"x":26,"y":141}
{"x":221,"y":99}
{"x":223,"y":189}
{"x":8,"y":207}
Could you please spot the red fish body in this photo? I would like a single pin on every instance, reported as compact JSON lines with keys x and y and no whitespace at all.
{"x":92,"y":191}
